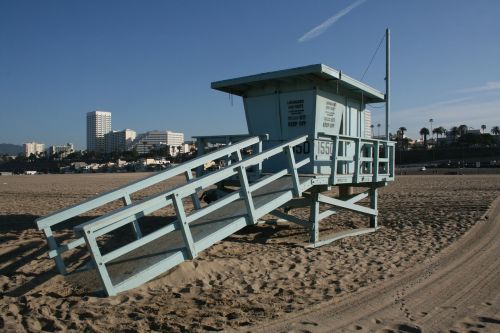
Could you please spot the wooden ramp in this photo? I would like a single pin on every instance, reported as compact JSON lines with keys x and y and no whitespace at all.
{"x":136,"y":267}
{"x":134,"y":261}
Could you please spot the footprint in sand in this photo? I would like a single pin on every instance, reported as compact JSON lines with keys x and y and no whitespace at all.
{"x":309,"y":323}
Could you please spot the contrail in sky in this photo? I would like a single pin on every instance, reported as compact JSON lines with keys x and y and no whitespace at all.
{"x":325,"y":25}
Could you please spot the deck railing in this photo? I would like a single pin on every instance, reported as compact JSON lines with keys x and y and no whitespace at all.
{"x":372,"y":160}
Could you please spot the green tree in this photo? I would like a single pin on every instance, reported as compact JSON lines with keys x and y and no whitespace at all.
{"x":495,"y":130}
{"x":454,"y":132}
{"x":439,"y":131}
{"x":424,"y":131}
{"x":463,"y":129}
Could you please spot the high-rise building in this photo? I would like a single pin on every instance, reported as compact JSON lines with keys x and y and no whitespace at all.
{"x":118,"y":141}
{"x":33,"y":148}
{"x":98,"y":124}
{"x":145,"y":142}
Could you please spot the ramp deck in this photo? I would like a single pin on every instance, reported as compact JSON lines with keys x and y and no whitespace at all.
{"x":169,"y":250}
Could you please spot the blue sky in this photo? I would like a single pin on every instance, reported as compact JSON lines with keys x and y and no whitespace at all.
{"x":151,"y":62}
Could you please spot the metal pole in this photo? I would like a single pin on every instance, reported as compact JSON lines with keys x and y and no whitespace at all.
{"x":387,"y":80}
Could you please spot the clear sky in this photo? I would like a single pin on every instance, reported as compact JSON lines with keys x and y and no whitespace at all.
{"x":151,"y":62}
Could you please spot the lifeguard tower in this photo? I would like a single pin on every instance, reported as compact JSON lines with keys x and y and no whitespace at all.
{"x":308,"y":131}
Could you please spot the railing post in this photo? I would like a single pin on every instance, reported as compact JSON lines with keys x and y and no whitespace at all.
{"x":194,"y":196}
{"x":373,"y":205}
{"x":357,"y":157}
{"x":392,"y":156}
{"x":245,"y":189}
{"x":375,"y":161}
{"x":101,"y":266}
{"x":371,"y":158}
{"x":184,"y":226}
{"x":259,"y":167}
{"x":292,"y":169}
{"x":335,"y":153}
{"x":51,"y":241}
{"x":200,"y":150}
{"x":127,"y":201}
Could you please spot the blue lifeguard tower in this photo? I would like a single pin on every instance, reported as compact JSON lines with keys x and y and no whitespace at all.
{"x":308,"y":131}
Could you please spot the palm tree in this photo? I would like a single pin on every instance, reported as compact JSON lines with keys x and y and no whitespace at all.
{"x":378,"y":130}
{"x":402,"y":130}
{"x":440,"y":131}
{"x":372,"y":126}
{"x":462,"y":129}
{"x":483,"y":127}
{"x":454,"y":132}
{"x":495,"y":130}
{"x":436,"y":131}
{"x":431,"y":121}
{"x":424,"y":131}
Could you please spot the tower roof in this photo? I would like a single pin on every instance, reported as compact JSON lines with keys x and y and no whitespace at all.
{"x":313,"y":74}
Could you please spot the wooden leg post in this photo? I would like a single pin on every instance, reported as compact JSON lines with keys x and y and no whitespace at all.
{"x":314,"y":217}
{"x":53,"y":246}
{"x":373,"y":205}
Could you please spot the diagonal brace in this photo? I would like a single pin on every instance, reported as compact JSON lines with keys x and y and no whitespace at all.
{"x":347,"y":205}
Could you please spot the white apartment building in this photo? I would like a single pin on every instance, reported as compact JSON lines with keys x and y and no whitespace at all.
{"x":63,"y":151}
{"x":33,"y":148}
{"x":148,"y":141}
{"x":118,"y":141}
{"x":368,"y":123}
{"x":98,"y":124}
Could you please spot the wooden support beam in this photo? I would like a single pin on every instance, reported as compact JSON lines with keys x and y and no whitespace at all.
{"x":194,"y":196}
{"x":290,"y":218}
{"x":314,"y":218}
{"x":184,"y":226}
{"x":61,"y":267}
{"x":127,"y":201}
{"x":347,"y":205}
{"x":247,"y":193}
{"x":99,"y":263}
{"x":292,"y":169}
{"x":373,"y":205}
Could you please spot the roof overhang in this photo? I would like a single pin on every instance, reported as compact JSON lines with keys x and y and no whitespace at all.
{"x":318,"y":73}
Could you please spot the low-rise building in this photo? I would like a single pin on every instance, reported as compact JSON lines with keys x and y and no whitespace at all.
{"x":62,"y":151}
{"x":118,"y":141}
{"x":152,"y":140}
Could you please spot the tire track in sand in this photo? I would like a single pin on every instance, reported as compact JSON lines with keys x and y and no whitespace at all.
{"x":457,"y":290}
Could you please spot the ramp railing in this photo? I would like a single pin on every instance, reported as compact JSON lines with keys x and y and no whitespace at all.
{"x":47,"y":223}
{"x":193,"y":243}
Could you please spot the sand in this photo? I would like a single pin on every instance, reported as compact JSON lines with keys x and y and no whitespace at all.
{"x":433,"y":266}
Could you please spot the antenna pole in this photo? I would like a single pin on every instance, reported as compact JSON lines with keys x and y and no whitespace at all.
{"x":387,"y":80}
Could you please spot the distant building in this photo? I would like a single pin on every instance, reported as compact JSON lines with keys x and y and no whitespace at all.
{"x":368,"y":122}
{"x":62,"y":151}
{"x":33,"y":148}
{"x":474,"y":131}
{"x":118,"y":141}
{"x":98,"y":124}
{"x":151,"y":140}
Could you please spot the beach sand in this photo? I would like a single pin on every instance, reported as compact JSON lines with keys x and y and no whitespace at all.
{"x":263,"y":277}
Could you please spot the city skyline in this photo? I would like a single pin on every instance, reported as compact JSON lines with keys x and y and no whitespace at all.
{"x":150,"y":64}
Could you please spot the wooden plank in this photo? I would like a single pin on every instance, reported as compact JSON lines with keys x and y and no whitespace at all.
{"x":342,"y":234}
{"x":347,"y":205}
